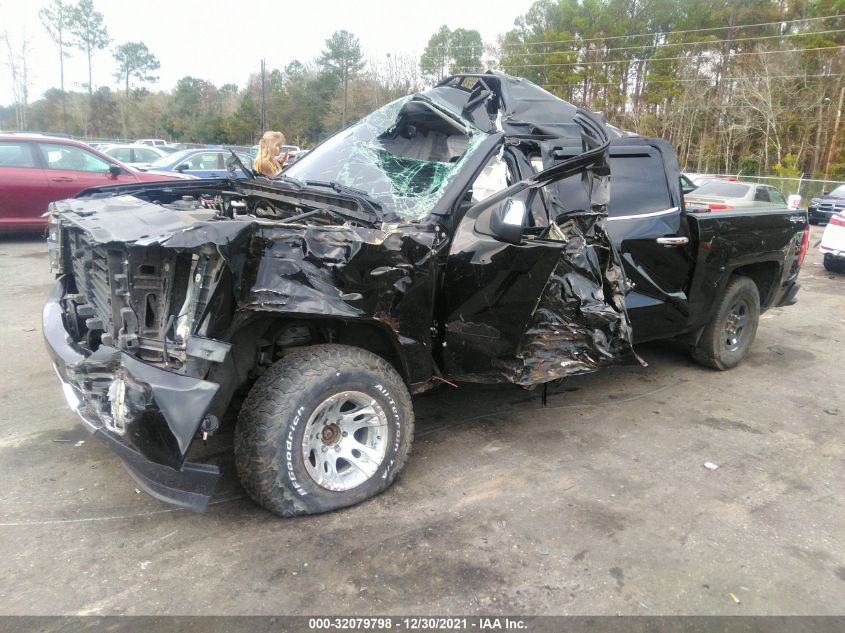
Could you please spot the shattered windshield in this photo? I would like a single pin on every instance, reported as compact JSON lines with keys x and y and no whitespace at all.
{"x":402,"y":156}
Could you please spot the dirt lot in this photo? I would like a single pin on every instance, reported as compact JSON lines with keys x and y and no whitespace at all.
{"x":597,"y":504}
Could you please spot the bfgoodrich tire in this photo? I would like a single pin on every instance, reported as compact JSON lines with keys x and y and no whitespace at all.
{"x":727,"y":339}
{"x":324,"y":428}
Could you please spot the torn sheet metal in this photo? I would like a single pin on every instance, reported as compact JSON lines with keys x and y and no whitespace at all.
{"x":348,"y":272}
{"x":341,"y":271}
{"x":554,"y":306}
{"x":537,"y":311}
{"x":580,"y":324}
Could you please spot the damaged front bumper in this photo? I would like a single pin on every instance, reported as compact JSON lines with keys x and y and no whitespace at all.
{"x":147,"y":415}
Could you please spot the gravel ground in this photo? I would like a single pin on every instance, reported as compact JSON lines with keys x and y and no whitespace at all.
{"x":598,"y":503}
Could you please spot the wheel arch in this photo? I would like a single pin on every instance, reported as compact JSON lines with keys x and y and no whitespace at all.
{"x":765,"y":275}
{"x":370,"y":334}
{"x":254,"y":337}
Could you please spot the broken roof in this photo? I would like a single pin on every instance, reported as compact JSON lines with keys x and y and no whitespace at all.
{"x":520,"y":107}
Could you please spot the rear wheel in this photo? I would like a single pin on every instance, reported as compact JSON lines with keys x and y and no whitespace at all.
{"x":324,"y":428}
{"x":727,"y":339}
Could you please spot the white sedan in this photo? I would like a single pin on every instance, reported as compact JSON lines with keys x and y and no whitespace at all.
{"x":135,"y":155}
{"x":717,"y":195}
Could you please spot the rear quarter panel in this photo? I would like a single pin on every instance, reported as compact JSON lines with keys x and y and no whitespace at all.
{"x":729,"y":241}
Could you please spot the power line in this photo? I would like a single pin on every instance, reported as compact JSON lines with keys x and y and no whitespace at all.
{"x":699,"y":43}
{"x":654,"y":33}
{"x":653,"y":59}
{"x":692,"y":80}
{"x":656,"y":46}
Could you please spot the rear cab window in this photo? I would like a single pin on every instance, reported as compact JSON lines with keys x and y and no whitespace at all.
{"x":638,"y":184}
{"x":762,"y":195}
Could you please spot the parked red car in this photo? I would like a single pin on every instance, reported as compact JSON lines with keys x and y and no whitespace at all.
{"x":36,"y":170}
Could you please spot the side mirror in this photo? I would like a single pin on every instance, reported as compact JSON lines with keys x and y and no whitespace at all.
{"x":115,"y":171}
{"x":507,"y":221}
{"x":826,"y":193}
{"x":687,"y":190}
{"x":182,"y":167}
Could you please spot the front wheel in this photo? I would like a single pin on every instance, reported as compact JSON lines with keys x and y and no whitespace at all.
{"x":324,"y":428}
{"x":727,"y":339}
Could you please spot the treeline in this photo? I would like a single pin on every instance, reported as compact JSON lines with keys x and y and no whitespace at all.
{"x":306,"y":100}
{"x":753,"y":86}
{"x":749,"y":85}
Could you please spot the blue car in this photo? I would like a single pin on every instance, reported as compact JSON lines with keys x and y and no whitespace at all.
{"x":202,"y":163}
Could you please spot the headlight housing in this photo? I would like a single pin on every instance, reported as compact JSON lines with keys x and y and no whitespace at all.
{"x":54,"y":241}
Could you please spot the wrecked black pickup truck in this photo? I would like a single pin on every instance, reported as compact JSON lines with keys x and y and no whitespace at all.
{"x":481,"y":231}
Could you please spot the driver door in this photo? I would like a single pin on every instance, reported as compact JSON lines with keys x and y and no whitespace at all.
{"x":512,"y":304}
{"x":490,"y":291}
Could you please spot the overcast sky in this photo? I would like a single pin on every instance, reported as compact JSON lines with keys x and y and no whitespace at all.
{"x":223,"y":40}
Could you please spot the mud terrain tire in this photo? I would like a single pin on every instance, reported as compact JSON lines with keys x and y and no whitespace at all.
{"x":306,"y":390}
{"x":718,"y":348}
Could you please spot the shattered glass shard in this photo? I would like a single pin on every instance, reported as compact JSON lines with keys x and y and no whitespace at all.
{"x":411,"y":177}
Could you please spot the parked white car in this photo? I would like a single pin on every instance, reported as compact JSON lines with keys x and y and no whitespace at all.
{"x":135,"y":155}
{"x":833,"y":243}
{"x":717,"y":195}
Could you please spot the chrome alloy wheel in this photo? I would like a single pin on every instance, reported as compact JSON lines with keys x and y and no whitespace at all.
{"x":345,"y":440}
{"x":736,"y":325}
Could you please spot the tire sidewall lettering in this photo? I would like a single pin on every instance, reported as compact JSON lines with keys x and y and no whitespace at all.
{"x":272,"y":456}
{"x":289,"y":444}
{"x":397,"y":426}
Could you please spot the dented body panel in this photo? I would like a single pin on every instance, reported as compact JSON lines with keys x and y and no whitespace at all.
{"x":171,"y":299}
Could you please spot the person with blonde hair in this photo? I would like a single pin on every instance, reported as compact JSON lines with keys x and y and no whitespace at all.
{"x":270,"y":161}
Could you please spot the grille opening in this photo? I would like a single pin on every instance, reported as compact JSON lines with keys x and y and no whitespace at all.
{"x":146,"y":269}
{"x":94,"y":338}
{"x":151,"y":310}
